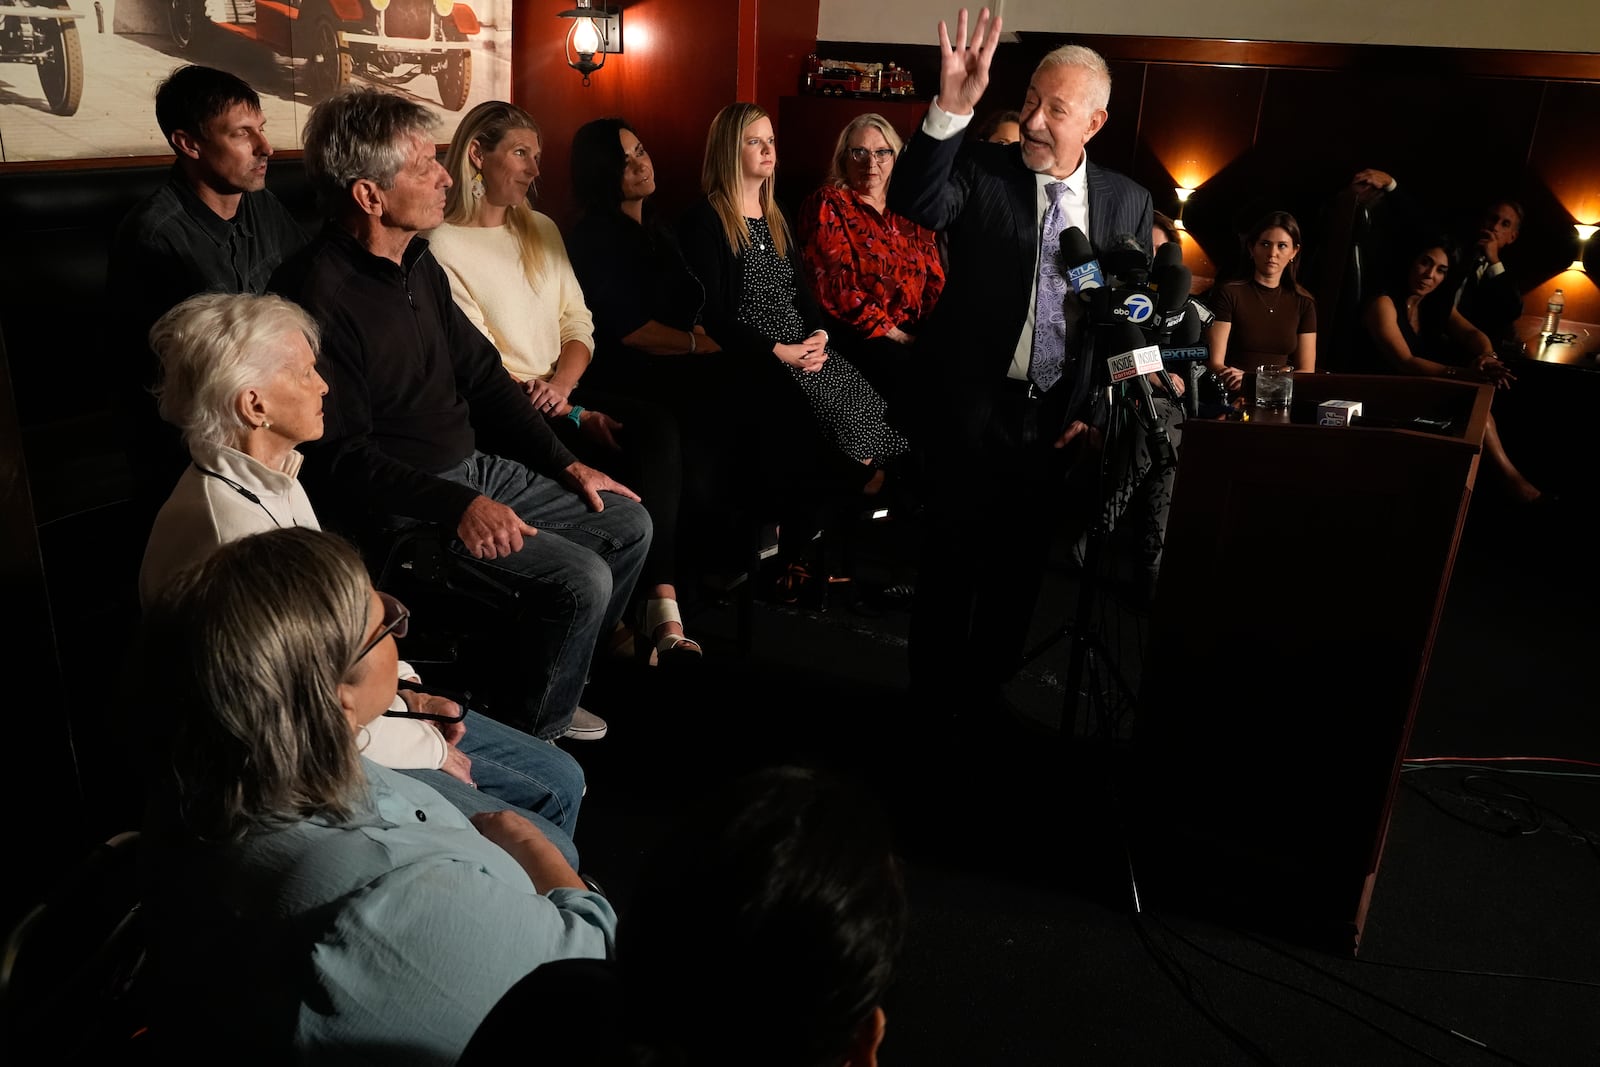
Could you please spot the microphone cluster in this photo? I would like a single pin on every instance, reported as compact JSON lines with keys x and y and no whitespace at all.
{"x":1139,"y":309}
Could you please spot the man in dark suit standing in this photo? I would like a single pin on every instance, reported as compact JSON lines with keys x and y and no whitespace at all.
{"x":1008,"y":409}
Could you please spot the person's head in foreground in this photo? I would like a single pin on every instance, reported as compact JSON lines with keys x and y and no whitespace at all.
{"x":766,"y":930}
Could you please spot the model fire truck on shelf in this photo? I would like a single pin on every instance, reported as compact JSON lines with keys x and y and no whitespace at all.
{"x":837,"y":77}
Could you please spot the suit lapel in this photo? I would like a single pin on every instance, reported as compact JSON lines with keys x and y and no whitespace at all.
{"x":1102,"y":227}
{"x":1024,"y":193}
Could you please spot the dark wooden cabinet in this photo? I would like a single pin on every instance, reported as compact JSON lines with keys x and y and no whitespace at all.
{"x":1305,"y":571}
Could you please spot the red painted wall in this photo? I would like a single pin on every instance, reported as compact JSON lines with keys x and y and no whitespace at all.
{"x":676,"y":71}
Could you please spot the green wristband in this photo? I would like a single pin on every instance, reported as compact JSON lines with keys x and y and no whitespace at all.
{"x":575,"y":415}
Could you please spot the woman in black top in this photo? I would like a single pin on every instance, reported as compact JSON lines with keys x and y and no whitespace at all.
{"x":1413,"y":329}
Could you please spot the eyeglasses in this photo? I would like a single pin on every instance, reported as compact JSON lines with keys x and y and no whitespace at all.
{"x":882,"y":155}
{"x":396,"y":621}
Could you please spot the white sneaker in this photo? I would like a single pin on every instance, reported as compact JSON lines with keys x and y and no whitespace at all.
{"x":585,"y":726}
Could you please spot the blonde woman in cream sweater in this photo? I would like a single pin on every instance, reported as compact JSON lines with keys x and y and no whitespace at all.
{"x":509,"y":274}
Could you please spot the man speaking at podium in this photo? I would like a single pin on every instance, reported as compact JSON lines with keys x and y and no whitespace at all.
{"x":1005,"y":406}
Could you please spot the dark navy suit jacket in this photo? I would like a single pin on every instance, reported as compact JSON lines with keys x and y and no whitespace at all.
{"x":984,"y":201}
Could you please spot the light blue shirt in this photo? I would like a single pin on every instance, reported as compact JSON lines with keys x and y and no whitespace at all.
{"x":384,"y":939}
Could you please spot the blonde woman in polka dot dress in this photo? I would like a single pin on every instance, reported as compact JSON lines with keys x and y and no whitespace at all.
{"x":737,"y":242}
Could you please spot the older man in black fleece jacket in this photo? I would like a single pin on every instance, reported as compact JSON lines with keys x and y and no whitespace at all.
{"x":417,"y":396}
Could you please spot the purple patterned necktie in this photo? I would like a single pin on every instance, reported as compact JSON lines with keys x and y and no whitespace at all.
{"x":1050,"y":309}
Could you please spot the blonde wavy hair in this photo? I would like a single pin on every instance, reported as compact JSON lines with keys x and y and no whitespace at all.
{"x":722,"y":179}
{"x":487,"y":125}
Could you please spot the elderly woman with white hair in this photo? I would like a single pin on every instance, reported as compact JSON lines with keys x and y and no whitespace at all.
{"x":876,"y":274}
{"x":305,"y":904}
{"x":239,"y":379}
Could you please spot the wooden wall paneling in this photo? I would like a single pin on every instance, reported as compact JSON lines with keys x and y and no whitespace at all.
{"x":1193,"y":123}
{"x":1116,"y":145}
{"x":786,"y":34}
{"x":662,"y":82}
{"x":1432,"y":64}
{"x":745,"y":74}
{"x":808,"y":128}
{"x":1452,"y":145}
{"x":1565,"y":159}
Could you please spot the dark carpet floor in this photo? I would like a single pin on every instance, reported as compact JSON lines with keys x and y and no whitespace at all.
{"x":1482,"y":944}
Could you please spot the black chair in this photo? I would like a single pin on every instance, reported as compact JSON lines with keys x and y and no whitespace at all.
{"x":68,"y":977}
{"x":463,"y":618}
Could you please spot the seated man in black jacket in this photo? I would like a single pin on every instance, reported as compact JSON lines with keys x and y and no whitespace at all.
{"x":213,"y":228}
{"x":414,"y":387}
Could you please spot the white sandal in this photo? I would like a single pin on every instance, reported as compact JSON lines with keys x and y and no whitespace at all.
{"x":674,"y":646}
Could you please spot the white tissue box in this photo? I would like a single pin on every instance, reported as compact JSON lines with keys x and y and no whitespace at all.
{"x":1337,"y":412}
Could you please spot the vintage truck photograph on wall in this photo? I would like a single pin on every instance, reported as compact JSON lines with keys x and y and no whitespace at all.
{"x":390,"y":42}
{"x":78,"y":77}
{"x":45,"y":36}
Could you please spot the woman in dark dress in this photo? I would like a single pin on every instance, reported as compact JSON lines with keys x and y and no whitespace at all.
{"x":645,"y":301}
{"x":738,"y":244}
{"x":650,"y":342}
{"x":1413,"y":329}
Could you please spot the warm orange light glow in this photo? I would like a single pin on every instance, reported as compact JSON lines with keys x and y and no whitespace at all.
{"x":1585,"y":232}
{"x":1177,"y":224}
{"x":1183,"y":194}
{"x":585,"y":37}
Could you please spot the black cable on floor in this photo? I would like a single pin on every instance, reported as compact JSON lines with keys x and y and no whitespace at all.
{"x":1172,"y":969}
{"x":1401,"y":1008}
{"x":1477,"y":973}
{"x":1377,"y":1028}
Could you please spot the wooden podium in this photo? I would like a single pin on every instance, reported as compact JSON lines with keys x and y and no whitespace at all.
{"x":1301,"y":587}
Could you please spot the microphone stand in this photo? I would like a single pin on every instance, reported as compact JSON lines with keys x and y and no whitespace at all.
{"x":1088,"y":653}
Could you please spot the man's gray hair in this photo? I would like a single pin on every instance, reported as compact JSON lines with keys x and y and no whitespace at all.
{"x":357,"y":134}
{"x":215,"y":346}
{"x":1076,"y":55}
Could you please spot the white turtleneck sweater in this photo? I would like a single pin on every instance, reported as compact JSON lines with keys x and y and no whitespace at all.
{"x":206,"y":512}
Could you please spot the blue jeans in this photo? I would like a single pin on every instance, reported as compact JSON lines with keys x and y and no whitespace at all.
{"x":575,"y":578}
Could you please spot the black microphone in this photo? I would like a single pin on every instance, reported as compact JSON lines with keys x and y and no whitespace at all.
{"x":1125,"y":260}
{"x":1168,"y":255}
{"x":1134,"y":357}
{"x":1081,"y":267}
{"x":1171,"y":283}
{"x":1188,"y":332}
{"x":1132,"y":354}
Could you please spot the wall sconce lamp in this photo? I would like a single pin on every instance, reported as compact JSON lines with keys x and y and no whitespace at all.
{"x":596,"y":31}
{"x":1183,"y":198}
{"x":1584,"y":233}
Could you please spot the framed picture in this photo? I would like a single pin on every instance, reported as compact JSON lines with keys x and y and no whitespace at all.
{"x":78,"y":79}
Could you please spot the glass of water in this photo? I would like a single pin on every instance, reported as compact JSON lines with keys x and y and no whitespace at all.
{"x":1274,"y":388}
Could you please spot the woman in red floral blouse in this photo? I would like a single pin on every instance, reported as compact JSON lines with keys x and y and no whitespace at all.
{"x":876,"y":274}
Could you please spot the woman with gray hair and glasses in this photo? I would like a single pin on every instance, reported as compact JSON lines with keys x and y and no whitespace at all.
{"x":239,"y":379}
{"x":875,"y":273}
{"x":305,"y":903}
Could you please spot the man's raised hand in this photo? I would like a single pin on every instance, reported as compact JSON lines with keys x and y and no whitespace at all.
{"x":964,"y":65}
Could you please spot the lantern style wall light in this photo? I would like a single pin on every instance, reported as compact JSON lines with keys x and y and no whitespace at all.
{"x":595,"y":32}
